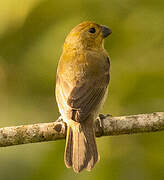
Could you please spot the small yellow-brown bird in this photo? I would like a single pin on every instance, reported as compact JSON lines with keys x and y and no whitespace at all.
{"x":81,"y":86}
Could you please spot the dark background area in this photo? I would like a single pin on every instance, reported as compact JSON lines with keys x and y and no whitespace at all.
{"x":31,"y":37}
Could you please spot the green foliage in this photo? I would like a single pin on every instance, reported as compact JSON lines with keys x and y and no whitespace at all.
{"x":31,"y":38}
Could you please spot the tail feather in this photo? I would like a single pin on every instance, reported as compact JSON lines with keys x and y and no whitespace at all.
{"x":69,"y":148}
{"x":93,"y":157}
{"x":81,"y":150}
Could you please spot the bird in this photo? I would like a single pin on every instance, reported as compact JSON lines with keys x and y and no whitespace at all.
{"x":82,"y":79}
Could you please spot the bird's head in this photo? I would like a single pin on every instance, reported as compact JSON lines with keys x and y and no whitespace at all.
{"x":87,"y":35}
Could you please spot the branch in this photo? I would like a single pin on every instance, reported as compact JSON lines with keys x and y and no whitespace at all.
{"x":104,"y":126}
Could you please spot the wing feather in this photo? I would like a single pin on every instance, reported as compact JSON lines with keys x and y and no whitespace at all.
{"x":82,"y":100}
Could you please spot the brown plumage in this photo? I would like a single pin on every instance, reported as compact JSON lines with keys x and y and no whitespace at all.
{"x":81,"y":87}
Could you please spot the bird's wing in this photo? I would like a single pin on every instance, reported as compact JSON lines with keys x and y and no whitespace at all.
{"x":82,"y":99}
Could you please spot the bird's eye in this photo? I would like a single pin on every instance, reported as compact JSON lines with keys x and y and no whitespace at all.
{"x":92,"y":30}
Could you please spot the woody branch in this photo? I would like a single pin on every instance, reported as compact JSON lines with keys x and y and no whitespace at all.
{"x":104,"y":126}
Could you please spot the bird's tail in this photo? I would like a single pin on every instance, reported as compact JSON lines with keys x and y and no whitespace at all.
{"x":81,"y":150}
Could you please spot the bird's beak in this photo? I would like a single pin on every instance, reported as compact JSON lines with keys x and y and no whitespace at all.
{"x":105,"y":31}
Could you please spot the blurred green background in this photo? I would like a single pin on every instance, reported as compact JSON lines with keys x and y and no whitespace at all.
{"x":31,"y":37}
